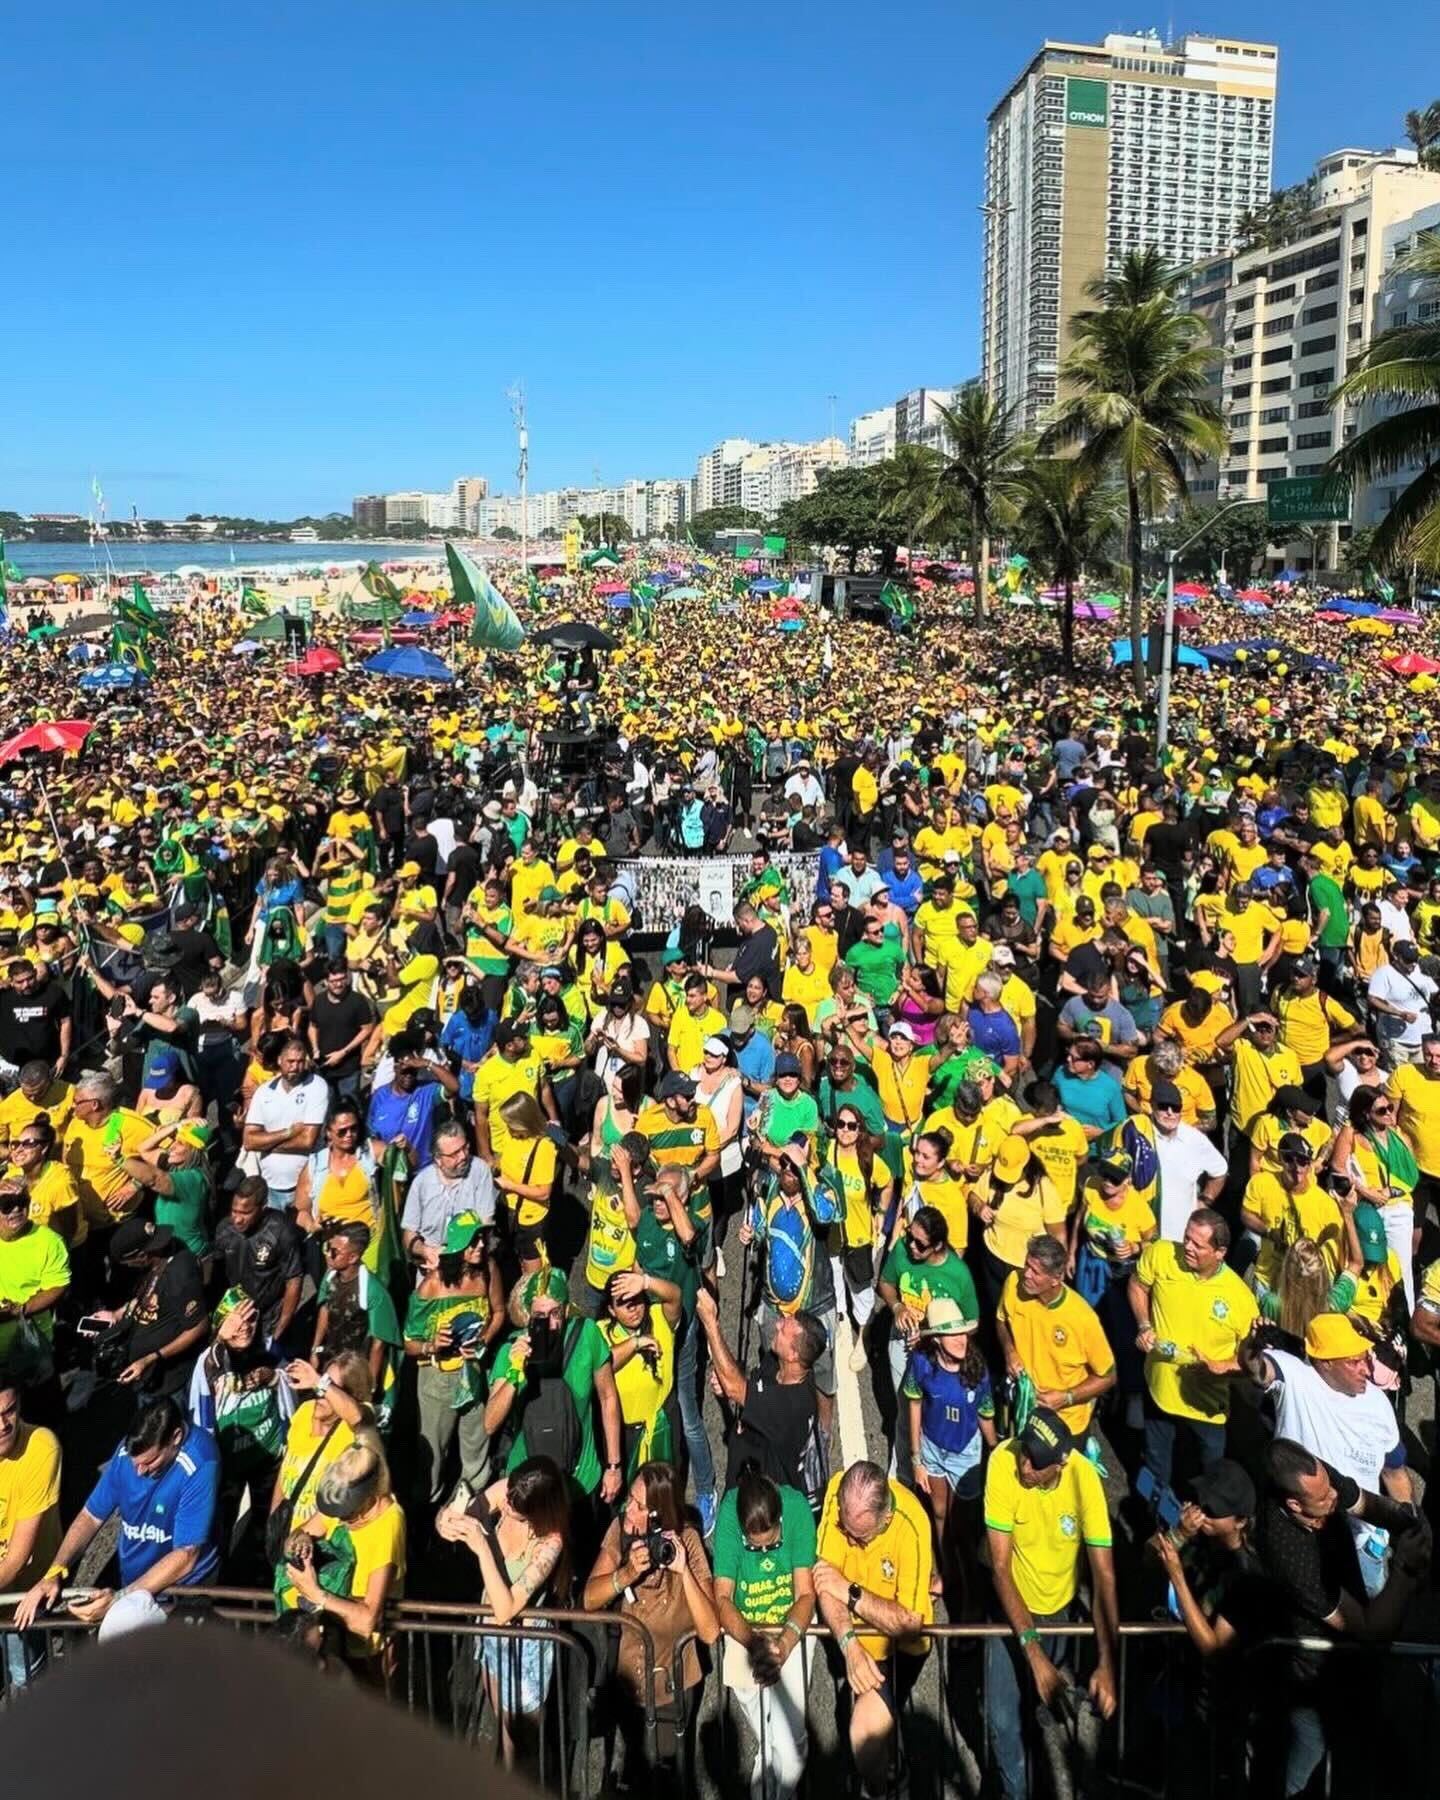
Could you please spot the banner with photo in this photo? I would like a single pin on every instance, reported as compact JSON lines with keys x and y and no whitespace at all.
{"x":665,"y":885}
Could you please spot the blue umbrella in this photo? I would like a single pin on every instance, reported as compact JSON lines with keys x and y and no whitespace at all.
{"x":620,"y":601}
{"x":406,"y":662}
{"x":1122,"y":652}
{"x":417,"y":621}
{"x":763,"y":587}
{"x":113,"y":675}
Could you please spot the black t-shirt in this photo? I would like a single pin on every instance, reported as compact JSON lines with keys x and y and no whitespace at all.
{"x":30,"y":1027}
{"x":168,"y":1303}
{"x":1166,"y":844}
{"x":260,"y":1261}
{"x":389,"y":808}
{"x":423,"y":849}
{"x":336,"y":1022}
{"x":194,"y":952}
{"x":757,"y":956}
{"x":776,"y":1423}
{"x":464,"y":865}
{"x":1088,"y":965}
{"x":1309,"y":1571}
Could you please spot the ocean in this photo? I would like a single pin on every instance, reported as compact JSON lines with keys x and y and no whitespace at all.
{"x":161,"y":559}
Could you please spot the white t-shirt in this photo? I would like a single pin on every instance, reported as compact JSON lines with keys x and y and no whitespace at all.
{"x":443,"y":832}
{"x":1186,"y":1158}
{"x":275,"y":1107}
{"x":1353,"y":1434}
{"x":1411,"y":992}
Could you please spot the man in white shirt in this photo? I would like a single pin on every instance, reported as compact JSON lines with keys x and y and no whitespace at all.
{"x":284,"y":1121}
{"x":1187,"y":1157}
{"x":1393,"y":916}
{"x":804,"y":786}
{"x":1400,"y":996}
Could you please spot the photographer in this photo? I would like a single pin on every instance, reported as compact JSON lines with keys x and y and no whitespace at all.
{"x":362,"y":1526}
{"x":161,"y":1328}
{"x":653,"y":1564}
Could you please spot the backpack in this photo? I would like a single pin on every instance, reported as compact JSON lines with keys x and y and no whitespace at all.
{"x":550,"y":1419}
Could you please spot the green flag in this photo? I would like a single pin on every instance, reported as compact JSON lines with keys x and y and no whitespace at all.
{"x":1382,"y":587}
{"x":897,"y":602}
{"x":494,"y":625}
{"x":135,"y":609}
{"x":375,"y":581}
{"x":775,"y":546}
{"x":739,"y":586}
{"x":128,"y":645}
{"x":252,"y":602}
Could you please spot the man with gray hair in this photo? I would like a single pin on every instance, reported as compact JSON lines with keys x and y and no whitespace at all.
{"x":99,"y":1137}
{"x":874,"y":1561}
{"x":453,"y":1182}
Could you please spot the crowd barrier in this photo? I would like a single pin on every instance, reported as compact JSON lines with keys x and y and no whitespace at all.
{"x":1176,"y":1733}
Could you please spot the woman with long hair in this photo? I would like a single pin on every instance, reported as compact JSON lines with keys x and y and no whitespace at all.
{"x":952,"y":1424}
{"x":652,"y":1568}
{"x":718,"y":1086}
{"x":1372,"y":1150}
{"x":615,"y":1113}
{"x":1306,"y":1287}
{"x":338,"y":1183}
{"x":793,"y":1033}
{"x":1014,"y":1200}
{"x":521,"y":1541}
{"x":54,"y":1197}
{"x":285,"y":1001}
{"x":863,"y":1179}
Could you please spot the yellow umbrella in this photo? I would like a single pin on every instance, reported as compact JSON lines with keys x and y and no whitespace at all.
{"x":70,"y":580}
{"x":1373,"y":627}
{"x":1422,"y":684}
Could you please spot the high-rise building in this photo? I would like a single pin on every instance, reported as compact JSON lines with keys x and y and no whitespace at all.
{"x":1297,"y":316}
{"x":1099,"y":149}
{"x":409,"y":508}
{"x":469,"y":491}
{"x":368,"y":512}
{"x":717,"y":474}
{"x":872,"y":437}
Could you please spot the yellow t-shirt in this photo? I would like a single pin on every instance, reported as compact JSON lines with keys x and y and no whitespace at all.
{"x":527,"y":882}
{"x":687,"y":1034}
{"x":1021,"y":1216}
{"x":1312,"y":1213}
{"x":1306,"y":1022}
{"x":1192,"y":1319}
{"x":379,"y":1543}
{"x":1061,"y":1148}
{"x":939,"y":926}
{"x":1059,"y":1346}
{"x":797,"y":988}
{"x":674,"y":1144}
{"x":1249,"y":926}
{"x":1269,"y":1130}
{"x":1047,"y":1525}
{"x":901,"y":1086}
{"x":1419,"y":1098}
{"x":93,"y":1155}
{"x":1195,"y":1093}
{"x":1017,"y":997}
{"x":1116,"y":1233}
{"x":896,"y":1564}
{"x":960,"y":966}
{"x":1257,"y":1078}
{"x":301,"y":1443}
{"x":610,"y":1245}
{"x":496,"y":1080}
{"x":857,"y":1225}
{"x":1197,"y":1041}
{"x":57,"y":1103}
{"x":531,"y":1160}
{"x":30,"y":1489}
{"x":54,"y":1195}
{"x":946,"y":1195}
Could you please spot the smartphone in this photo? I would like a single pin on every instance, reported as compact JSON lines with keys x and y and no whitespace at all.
{"x":92,"y":1326}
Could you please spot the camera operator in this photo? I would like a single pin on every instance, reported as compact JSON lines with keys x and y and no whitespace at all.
{"x":653,"y":1564}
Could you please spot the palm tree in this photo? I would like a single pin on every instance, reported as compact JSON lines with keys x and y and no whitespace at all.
{"x":905,"y":485}
{"x":984,"y":455}
{"x":1133,"y":387}
{"x":1068,"y":520}
{"x":1402,"y":370}
{"x":1423,"y":130}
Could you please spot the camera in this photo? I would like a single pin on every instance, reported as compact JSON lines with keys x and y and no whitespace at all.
{"x":662,"y":1551}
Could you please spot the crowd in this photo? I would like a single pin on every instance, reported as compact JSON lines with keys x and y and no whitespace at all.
{"x":389,"y":1209}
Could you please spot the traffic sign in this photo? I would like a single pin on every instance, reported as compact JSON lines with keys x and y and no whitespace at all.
{"x":1308,"y":500}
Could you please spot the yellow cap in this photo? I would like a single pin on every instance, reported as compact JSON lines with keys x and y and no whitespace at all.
{"x":1011,"y":1159}
{"x":1330,"y":1336}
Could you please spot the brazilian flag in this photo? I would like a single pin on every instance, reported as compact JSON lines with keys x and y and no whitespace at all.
{"x":252,"y":603}
{"x":375,"y":581}
{"x":136,"y":610}
{"x":128,"y":645}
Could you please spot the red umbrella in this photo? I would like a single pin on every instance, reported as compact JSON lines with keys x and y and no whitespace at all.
{"x":1256,"y":594}
{"x":50,"y":734}
{"x":318,"y":661}
{"x":1191,"y":590}
{"x":1412,"y":663}
{"x":1185,"y":616}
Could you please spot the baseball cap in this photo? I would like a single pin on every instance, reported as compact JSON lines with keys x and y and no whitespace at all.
{"x":945,"y":1314}
{"x":140,"y":1237}
{"x":1293,"y":1148}
{"x":1165,"y":1093}
{"x":742,"y":1018}
{"x":1370,"y":1229}
{"x":681,"y":1087}
{"x":1330,"y":1335}
{"x":1117,"y":1166}
{"x":785,"y":1064}
{"x":1224,"y":1491}
{"x":1046,"y":1439}
{"x":1011,"y":1159}
{"x":461,"y":1232}
{"x":408,"y":871}
{"x":716,"y":1046}
{"x":899,"y":1029}
{"x":1002,"y":956}
{"x":1405,"y":952}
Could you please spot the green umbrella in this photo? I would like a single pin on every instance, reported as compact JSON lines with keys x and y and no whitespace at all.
{"x":42,"y":631}
{"x":268,"y":630}
{"x":1104,"y":599}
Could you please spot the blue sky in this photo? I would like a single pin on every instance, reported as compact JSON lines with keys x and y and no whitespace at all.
{"x":261,"y":258}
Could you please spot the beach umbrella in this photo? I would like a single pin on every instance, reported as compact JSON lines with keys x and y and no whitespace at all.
{"x":1191,"y":590}
{"x":1109,"y":600}
{"x":50,"y":735}
{"x":316,"y":661}
{"x":69,"y":579}
{"x":1411,"y":662}
{"x":36,"y":632}
{"x":1372,"y":628}
{"x":1330,"y":618}
{"x":1087,"y":609}
{"x":270,"y":629}
{"x":622,"y":601}
{"x":1394,"y":615}
{"x":246,"y":647}
{"x":1184,"y":616}
{"x":407,"y":663}
{"x":1257,"y":596}
{"x":576,"y":634}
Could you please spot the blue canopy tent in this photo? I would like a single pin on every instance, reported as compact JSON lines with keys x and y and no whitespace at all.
{"x":405,"y":662}
{"x":1122,"y":654}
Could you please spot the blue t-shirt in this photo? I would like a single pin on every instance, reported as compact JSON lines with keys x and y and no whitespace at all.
{"x":468,"y":1042}
{"x":756,"y":1062}
{"x":994,"y":1033}
{"x":174,"y":1510}
{"x":1096,"y":1101}
{"x":949,"y":1406}
{"x":392,"y":1113}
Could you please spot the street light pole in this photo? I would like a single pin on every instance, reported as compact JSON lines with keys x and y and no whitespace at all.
{"x":1167,"y":640}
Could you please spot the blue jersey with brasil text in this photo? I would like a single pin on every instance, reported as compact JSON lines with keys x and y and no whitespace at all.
{"x":174,"y":1510}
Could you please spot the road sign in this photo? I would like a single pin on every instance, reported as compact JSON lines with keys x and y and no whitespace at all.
{"x":1308,"y":500}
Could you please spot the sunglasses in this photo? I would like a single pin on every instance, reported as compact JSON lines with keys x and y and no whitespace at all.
{"x":847,"y":1124}
{"x":13,"y":1203}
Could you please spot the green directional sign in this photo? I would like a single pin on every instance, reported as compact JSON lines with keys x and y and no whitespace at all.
{"x":1086,"y":102}
{"x":1308,"y":500}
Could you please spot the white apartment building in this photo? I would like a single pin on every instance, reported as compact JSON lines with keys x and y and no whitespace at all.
{"x":409,"y":508}
{"x":872,"y":437}
{"x":1296,"y":320}
{"x":797,"y":468}
{"x":1098,"y":149}
{"x":717,"y":474}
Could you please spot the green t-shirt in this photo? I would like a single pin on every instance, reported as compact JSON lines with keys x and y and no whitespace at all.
{"x":764,"y":1579}
{"x":1029,"y":890}
{"x":185,"y":1210}
{"x":588,"y":1353}
{"x":1325,"y":896}
{"x":658,"y":1251}
{"x":945,"y":1077}
{"x":918,"y":1283}
{"x":785,"y":1118}
{"x":860,"y":1095}
{"x":877,"y":966}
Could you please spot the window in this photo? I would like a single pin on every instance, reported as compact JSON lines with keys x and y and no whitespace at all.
{"x":1281,"y":353}
{"x":1313,"y":440}
{"x":1277,"y":294}
{"x":1317,"y":346}
{"x":1313,"y":315}
{"x":1275,"y":415}
{"x":1241,"y":448}
{"x":1239,"y":419}
{"x":1244,"y":333}
{"x":1317,"y":377}
{"x":1276,"y":387}
{"x":1269,"y":446}
{"x":1310,"y":409}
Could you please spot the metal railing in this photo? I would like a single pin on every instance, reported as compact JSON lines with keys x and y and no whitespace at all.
{"x":542,"y":1691}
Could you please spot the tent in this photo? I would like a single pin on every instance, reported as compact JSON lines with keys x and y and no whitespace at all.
{"x":1411,"y":662}
{"x":1087,"y":609}
{"x":407,"y":663}
{"x":1121,"y":653}
{"x":268,"y":630}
